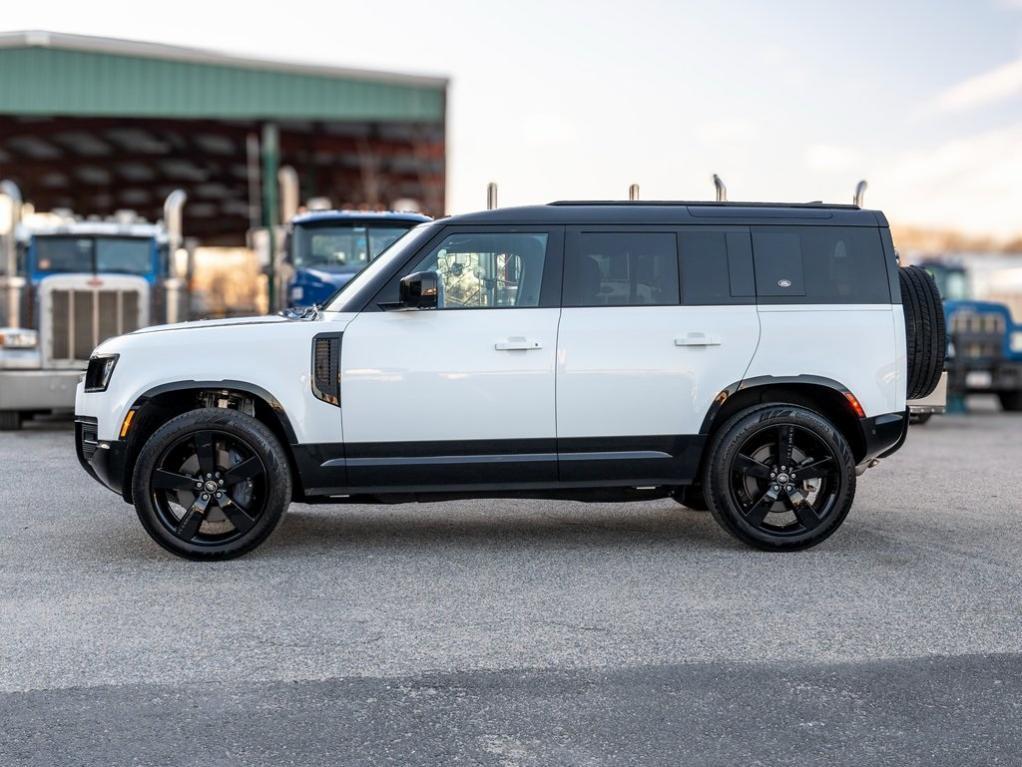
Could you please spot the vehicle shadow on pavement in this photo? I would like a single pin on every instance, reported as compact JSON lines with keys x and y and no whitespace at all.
{"x":496,"y":524}
{"x":509,"y":525}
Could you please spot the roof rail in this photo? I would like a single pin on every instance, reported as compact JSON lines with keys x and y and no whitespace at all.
{"x":708,"y":204}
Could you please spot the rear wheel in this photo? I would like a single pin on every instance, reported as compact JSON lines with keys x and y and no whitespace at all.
{"x":211,"y":484}
{"x":1011,"y":401}
{"x":779,"y":478}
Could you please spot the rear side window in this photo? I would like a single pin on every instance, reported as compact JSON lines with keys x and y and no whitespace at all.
{"x":820,"y":265}
{"x":716,"y":267}
{"x":622,"y":269}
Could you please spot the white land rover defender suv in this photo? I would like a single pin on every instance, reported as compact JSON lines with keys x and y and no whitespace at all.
{"x":747,"y":358}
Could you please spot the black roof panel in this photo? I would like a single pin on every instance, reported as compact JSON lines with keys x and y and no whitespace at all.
{"x":675,"y":213}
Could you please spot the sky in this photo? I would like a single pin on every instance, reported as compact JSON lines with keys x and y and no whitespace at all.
{"x":786,"y":100}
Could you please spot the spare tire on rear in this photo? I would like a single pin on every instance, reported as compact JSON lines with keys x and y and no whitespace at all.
{"x":925,"y":337}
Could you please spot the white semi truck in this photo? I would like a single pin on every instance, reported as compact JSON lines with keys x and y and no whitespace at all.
{"x":66,"y":285}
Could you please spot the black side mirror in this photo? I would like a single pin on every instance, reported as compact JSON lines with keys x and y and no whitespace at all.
{"x":420,"y":290}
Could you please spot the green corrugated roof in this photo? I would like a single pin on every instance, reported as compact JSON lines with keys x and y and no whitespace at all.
{"x":45,"y":73}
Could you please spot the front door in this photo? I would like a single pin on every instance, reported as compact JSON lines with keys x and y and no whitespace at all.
{"x":461,"y":396}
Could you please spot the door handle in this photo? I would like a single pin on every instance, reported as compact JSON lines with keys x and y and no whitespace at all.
{"x":517,"y":344}
{"x":697,"y":339}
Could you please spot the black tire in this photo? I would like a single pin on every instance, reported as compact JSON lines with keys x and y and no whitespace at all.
{"x":1011,"y":401}
{"x":211,"y":484}
{"x":747,"y":491}
{"x":691,"y":497}
{"x":919,"y":419}
{"x":925,"y":334}
{"x":10,"y":420}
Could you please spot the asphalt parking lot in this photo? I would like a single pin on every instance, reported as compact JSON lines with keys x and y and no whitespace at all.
{"x":521,"y":633}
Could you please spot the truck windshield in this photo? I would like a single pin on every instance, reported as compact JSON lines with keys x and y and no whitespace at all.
{"x":342,"y":248}
{"x":953,"y":283}
{"x":118,"y":255}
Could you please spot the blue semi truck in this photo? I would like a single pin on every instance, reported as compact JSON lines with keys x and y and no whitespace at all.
{"x":984,"y":342}
{"x":323,"y":250}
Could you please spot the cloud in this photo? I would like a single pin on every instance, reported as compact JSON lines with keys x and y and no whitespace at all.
{"x":990,"y":87}
{"x":831,"y":157}
{"x":969,"y":183}
{"x":726,"y":133}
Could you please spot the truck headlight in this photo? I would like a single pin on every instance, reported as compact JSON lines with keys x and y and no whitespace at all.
{"x":1016,"y":342}
{"x":18,"y":338}
{"x":101,"y":368}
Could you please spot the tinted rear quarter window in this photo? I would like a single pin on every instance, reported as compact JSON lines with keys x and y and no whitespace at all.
{"x":716,"y":267}
{"x":820,"y":264}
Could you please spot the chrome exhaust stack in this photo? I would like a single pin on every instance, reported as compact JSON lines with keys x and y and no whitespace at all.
{"x":173,"y":208}
{"x":178,"y":298}
{"x":491,"y":196}
{"x":287,"y":178}
{"x":718,"y":184}
{"x":860,"y":193}
{"x":633,"y":192}
{"x":11,"y":283}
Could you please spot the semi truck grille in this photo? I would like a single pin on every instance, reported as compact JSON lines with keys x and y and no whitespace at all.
{"x":83,"y":319}
{"x":977,"y":335}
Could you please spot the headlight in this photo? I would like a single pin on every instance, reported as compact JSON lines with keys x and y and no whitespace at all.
{"x":101,"y":368}
{"x":1016,"y":342}
{"x":18,"y":338}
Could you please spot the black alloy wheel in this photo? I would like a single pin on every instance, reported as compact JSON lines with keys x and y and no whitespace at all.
{"x":211,"y":484}
{"x":780,"y":477}
{"x":209,"y":487}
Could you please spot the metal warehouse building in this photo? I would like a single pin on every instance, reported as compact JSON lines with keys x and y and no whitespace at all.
{"x":97,"y":125}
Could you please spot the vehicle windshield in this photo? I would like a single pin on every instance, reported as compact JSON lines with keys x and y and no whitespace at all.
{"x":952,"y":283}
{"x":118,"y":255}
{"x":342,"y":248}
{"x":401,"y":249}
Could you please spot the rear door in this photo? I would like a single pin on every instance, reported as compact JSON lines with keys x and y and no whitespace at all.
{"x":656,"y":321}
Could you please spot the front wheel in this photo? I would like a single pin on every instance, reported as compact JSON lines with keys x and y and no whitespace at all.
{"x":779,"y":478}
{"x":211,"y":484}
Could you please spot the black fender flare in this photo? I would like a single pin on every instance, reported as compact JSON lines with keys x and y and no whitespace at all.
{"x":751,"y":383}
{"x":242,"y":386}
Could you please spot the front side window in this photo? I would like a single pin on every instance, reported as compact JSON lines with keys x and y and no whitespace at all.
{"x":622,"y":269}
{"x":488,"y":271}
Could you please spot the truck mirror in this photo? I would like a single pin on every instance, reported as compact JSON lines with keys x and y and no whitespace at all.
{"x":420,"y":290}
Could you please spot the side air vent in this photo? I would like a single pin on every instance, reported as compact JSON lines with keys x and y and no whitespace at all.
{"x":326,"y":367}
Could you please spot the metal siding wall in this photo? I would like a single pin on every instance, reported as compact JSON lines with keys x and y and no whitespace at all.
{"x":53,"y":81}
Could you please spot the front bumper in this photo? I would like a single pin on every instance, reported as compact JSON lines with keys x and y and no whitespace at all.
{"x":103,"y":459}
{"x":38,"y":389}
